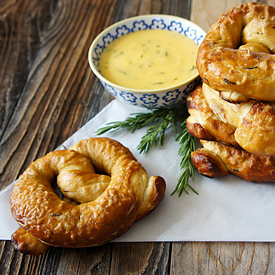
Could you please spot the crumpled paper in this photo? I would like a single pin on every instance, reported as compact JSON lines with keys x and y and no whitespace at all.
{"x":226,"y":209}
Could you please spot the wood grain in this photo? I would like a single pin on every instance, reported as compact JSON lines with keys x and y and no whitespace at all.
{"x":47,"y":92}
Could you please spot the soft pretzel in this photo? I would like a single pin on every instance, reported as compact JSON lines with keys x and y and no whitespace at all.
{"x":223,"y":66}
{"x":233,"y":96}
{"x":216,"y":159}
{"x":254,"y":121}
{"x":123,"y":195}
{"x":203,"y":123}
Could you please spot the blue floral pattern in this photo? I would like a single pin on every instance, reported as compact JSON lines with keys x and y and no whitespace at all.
{"x":199,"y":39}
{"x":109,"y":88}
{"x":171,"y":96}
{"x":191,"y":86}
{"x":107,"y":39}
{"x":129,"y":97}
{"x":149,"y":99}
{"x":191,"y":33}
{"x":175,"y":27}
{"x":139,"y":26}
{"x":122,"y":31}
{"x":157,"y":24}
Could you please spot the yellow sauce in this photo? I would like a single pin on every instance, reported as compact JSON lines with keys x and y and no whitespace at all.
{"x":149,"y":59}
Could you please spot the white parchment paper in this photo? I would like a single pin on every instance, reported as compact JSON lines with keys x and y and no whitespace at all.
{"x":226,"y":209}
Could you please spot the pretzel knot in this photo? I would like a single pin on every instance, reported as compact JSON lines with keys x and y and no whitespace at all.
{"x":97,"y":207}
{"x":237,"y":53}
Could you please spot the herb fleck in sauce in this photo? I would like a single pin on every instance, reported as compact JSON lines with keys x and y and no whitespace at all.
{"x":149,"y":59}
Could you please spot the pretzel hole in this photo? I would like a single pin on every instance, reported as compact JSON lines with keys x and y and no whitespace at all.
{"x":79,"y":183}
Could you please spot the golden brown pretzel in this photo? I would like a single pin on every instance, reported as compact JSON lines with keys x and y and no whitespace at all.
{"x":123,"y":198}
{"x":223,"y":66}
{"x":203,"y":123}
{"x":216,"y":159}
{"x":254,"y":121}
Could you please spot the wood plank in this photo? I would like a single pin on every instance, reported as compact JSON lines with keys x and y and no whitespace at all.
{"x":140,"y":258}
{"x":47,"y":92}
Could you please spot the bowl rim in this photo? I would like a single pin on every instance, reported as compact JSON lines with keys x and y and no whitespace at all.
{"x":122,"y":88}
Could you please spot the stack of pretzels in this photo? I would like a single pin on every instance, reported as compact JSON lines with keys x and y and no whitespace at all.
{"x":233,"y":111}
{"x":102,"y":191}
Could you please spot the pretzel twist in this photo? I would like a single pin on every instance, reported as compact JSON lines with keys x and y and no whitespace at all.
{"x":216,"y":159}
{"x":123,"y":195}
{"x":221,"y":154}
{"x":223,"y":66}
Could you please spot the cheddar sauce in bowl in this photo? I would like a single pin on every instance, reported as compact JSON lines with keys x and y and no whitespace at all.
{"x":149,"y":60}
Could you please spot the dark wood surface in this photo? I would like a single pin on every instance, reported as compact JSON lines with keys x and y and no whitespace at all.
{"x":47,"y":92}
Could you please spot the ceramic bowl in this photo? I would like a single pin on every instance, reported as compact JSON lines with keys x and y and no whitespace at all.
{"x":145,"y":98}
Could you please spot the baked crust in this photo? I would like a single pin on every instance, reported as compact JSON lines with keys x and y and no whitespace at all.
{"x":250,"y":167}
{"x":234,"y":97}
{"x":26,"y":243}
{"x":223,"y":66}
{"x":203,"y":123}
{"x":255,"y":47}
{"x":254,"y":121}
{"x":256,"y":134}
{"x":129,"y":196}
{"x":195,"y":129}
{"x":208,"y":164}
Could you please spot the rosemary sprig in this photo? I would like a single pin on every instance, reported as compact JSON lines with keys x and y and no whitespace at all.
{"x":187,"y":146}
{"x":131,"y":123}
{"x":139,"y":120}
{"x":162,"y":119}
{"x":154,"y":136}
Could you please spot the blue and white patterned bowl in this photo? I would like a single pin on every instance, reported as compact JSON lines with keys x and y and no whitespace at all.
{"x":145,"y":98}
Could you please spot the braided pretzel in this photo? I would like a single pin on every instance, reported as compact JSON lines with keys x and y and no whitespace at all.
{"x":248,"y":125}
{"x":221,"y":154}
{"x":203,"y":123}
{"x":223,"y":66}
{"x":254,"y":121}
{"x":216,"y":159}
{"x":123,"y":195}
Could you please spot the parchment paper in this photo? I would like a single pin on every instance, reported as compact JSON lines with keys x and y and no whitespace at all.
{"x":226,"y":209}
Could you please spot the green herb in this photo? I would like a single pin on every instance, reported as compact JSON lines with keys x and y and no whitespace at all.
{"x":154,"y":136}
{"x":56,"y":214}
{"x":162,"y":119}
{"x":187,"y":146}
{"x":134,"y":123}
{"x":123,"y":72}
{"x":118,"y":54}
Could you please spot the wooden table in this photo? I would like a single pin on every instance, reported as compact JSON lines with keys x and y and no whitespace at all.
{"x":48,"y":92}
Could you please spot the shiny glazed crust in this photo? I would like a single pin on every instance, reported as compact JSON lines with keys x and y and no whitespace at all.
{"x":223,"y":66}
{"x":254,"y":121}
{"x":214,"y":158}
{"x":203,"y":123}
{"x":128,"y":196}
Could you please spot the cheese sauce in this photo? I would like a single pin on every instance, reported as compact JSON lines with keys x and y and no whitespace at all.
{"x":149,"y":59}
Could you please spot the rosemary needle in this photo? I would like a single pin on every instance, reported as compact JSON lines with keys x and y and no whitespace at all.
{"x":137,"y":121}
{"x":162,"y":119}
{"x":187,"y":146}
{"x":154,"y":136}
